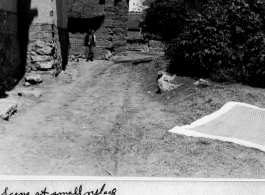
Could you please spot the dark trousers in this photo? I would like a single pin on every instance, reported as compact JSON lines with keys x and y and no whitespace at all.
{"x":89,"y":53}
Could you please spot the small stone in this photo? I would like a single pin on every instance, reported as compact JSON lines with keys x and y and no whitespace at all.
{"x":40,"y":43}
{"x":7,"y":108}
{"x":27,"y":84}
{"x":30,"y":93}
{"x":33,"y":53}
{"x":46,"y":50}
{"x":49,"y":44}
{"x":202,"y":83}
{"x":33,"y":78}
{"x":46,"y":65}
{"x":39,"y":58}
{"x":108,"y":55}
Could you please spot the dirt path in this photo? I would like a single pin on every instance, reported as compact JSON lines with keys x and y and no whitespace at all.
{"x":108,"y":121}
{"x":58,"y":135}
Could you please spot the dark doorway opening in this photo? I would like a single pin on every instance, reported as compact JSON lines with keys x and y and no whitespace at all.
{"x":81,"y":25}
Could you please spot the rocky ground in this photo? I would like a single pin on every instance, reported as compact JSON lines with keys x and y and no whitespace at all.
{"x":104,"y":118}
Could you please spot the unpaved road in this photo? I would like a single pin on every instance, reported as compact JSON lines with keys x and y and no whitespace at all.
{"x":63,"y":133}
{"x":104,"y":119}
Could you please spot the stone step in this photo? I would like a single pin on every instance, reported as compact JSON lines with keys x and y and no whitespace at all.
{"x":118,"y":60}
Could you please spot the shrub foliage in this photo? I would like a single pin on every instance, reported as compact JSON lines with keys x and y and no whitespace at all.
{"x":223,"y":40}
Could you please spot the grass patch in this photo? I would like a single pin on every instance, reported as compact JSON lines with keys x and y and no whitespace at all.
{"x":142,"y":145}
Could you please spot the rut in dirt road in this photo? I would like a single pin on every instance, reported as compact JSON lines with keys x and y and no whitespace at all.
{"x":56,"y":136}
{"x":122,"y":151}
{"x":110,"y":122}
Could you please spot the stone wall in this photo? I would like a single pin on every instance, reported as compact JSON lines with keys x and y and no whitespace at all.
{"x":61,"y":49}
{"x":136,"y":39}
{"x":108,"y":18}
{"x":9,"y":44}
{"x":33,"y":37}
{"x":41,"y":48}
{"x":61,"y":36}
{"x":47,"y":49}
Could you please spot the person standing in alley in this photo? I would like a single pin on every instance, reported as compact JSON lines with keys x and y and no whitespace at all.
{"x":89,"y":44}
{"x":94,"y":36}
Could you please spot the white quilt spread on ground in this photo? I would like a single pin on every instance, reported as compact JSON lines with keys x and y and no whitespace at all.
{"x":235,"y":122}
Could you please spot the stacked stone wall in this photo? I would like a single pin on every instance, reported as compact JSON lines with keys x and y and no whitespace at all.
{"x":41,"y":48}
{"x":135,"y":37}
{"x":29,"y":40}
{"x":9,"y":48}
{"x":48,"y":44}
{"x":109,"y":20}
{"x":47,"y":49}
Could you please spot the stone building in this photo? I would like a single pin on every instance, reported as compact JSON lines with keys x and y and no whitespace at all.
{"x":134,"y":35}
{"x":34,"y":33}
{"x":9,"y":43}
{"x":47,"y":36}
{"x":108,"y":18}
{"x":33,"y":37}
{"x":136,"y":39}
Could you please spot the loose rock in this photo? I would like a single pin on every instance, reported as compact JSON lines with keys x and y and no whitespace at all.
{"x":7,"y":108}
{"x":202,"y":83}
{"x":164,"y":81}
{"x":30,"y":93}
{"x":33,"y":53}
{"x":33,"y":78}
{"x":108,"y":55}
{"x":27,"y":84}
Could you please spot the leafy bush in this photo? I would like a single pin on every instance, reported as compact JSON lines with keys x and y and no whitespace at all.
{"x":164,"y":18}
{"x":220,"y":40}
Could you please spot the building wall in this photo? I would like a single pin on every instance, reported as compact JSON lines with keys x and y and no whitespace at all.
{"x":116,"y":24}
{"x":45,"y":9}
{"x":33,"y":37}
{"x":135,"y":37}
{"x":9,"y":44}
{"x":9,"y":5}
{"x":107,"y":17}
{"x":48,"y":37}
{"x":61,"y":37}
